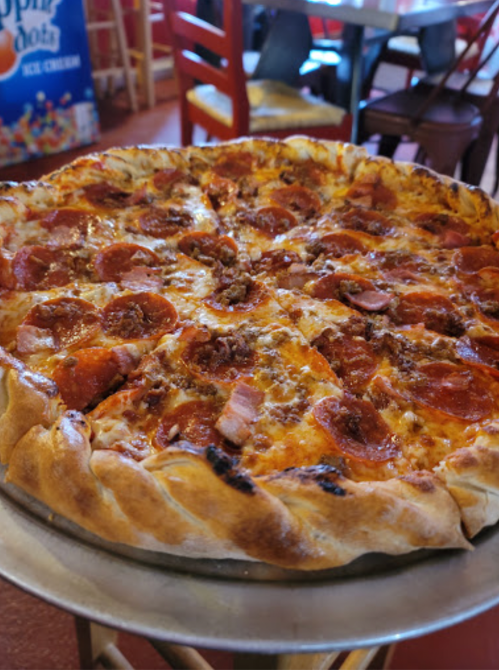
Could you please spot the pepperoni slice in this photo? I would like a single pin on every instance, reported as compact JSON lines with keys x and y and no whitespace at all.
{"x":483,"y":352}
{"x":272,"y":220}
{"x":38,"y":267}
{"x":234,"y":165}
{"x":276,"y":259}
{"x":452,"y":389}
{"x":222,"y":358}
{"x":357,"y":290}
{"x":106,"y":195}
{"x":352,"y":358}
{"x":371,"y":192}
{"x":193,"y":421}
{"x":241,"y":295}
{"x":489,"y":277}
{"x":116,"y":260}
{"x":163,"y":180}
{"x":336,"y":245}
{"x":208,"y":248}
{"x":165,"y":222}
{"x":482,"y":288}
{"x":139,"y":316}
{"x":472,"y":259}
{"x":452,"y":231}
{"x":70,"y":320}
{"x":69,"y":218}
{"x":400,"y":265}
{"x":357,"y":428}
{"x":435,"y":312}
{"x":68,"y":227}
{"x":308,"y":173}
{"x":85,"y":376}
{"x":366,"y":221}
{"x":337,"y":285}
{"x":298,"y":199}
{"x":487,"y":300}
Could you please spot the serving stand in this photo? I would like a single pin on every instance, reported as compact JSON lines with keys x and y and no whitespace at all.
{"x":242,"y":606}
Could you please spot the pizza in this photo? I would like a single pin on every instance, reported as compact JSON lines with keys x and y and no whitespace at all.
{"x":284,"y":352}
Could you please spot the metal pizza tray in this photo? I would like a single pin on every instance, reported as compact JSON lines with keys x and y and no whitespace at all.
{"x":229,"y":606}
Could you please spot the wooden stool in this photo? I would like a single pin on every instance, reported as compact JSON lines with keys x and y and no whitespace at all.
{"x":97,"y":645}
{"x":149,"y":12}
{"x":115,"y":60}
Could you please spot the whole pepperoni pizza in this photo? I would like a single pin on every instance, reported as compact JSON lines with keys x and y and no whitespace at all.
{"x":279,"y":351}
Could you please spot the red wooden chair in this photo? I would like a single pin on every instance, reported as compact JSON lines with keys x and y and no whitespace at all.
{"x":443,"y":121}
{"x":223,"y":102}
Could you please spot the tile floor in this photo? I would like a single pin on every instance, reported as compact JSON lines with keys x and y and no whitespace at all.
{"x":37,"y":636}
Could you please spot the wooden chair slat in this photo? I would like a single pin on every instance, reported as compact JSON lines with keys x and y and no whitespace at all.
{"x":199,"y":32}
{"x":197,"y":68}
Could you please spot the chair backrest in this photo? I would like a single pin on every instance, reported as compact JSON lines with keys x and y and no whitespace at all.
{"x":466,"y":28}
{"x":188,"y":34}
{"x":480,"y":33}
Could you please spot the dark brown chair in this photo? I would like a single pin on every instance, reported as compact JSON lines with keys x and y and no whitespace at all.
{"x":405,"y":50}
{"x":482,"y":91}
{"x":222,"y":101}
{"x":441,"y":120}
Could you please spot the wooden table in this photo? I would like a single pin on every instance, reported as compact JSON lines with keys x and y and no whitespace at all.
{"x":390,"y":16}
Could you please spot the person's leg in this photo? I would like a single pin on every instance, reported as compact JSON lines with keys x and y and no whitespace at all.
{"x":285,"y":49}
{"x":438,"y":46}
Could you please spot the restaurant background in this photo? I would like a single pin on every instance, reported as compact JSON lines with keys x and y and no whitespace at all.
{"x":36,"y":635}
{"x":47,"y":101}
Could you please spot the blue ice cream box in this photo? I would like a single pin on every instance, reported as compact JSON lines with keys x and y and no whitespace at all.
{"x":47,"y":102}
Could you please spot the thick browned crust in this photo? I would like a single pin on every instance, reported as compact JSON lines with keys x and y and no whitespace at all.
{"x":195,"y":502}
{"x":26,"y":400}
{"x":472,"y":477}
{"x":192,"y":502}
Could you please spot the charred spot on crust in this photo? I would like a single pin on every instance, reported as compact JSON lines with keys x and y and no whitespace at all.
{"x":325,"y":476}
{"x":331,"y":487}
{"x":224,"y":467}
{"x":75,"y":417}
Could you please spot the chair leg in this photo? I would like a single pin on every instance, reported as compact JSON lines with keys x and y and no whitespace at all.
{"x":496,"y":179}
{"x":420,"y":156}
{"x":388,"y":145}
{"x":124,"y":55}
{"x":145,"y":43}
{"x":443,"y":157}
{"x":186,"y":131}
{"x":97,"y":647}
{"x":186,"y":125}
{"x":476,"y":156}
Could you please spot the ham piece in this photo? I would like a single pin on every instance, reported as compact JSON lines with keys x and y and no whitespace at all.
{"x":31,"y":339}
{"x":141,"y":278}
{"x":239,"y":413}
{"x":370,"y":300}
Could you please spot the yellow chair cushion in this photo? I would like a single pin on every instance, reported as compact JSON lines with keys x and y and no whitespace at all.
{"x":273,"y":106}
